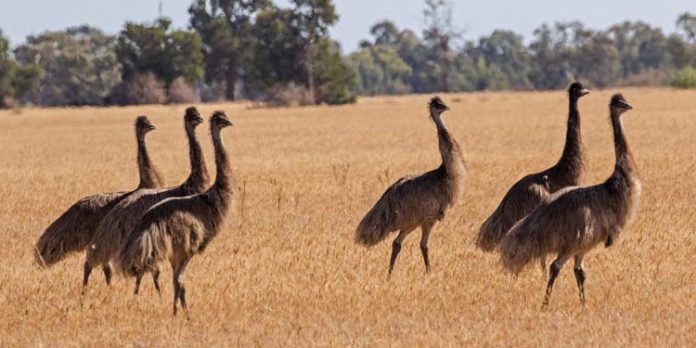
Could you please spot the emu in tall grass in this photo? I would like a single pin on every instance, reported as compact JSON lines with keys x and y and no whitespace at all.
{"x":115,"y":226}
{"x":529,"y":191}
{"x":178,"y":228}
{"x":415,"y":201}
{"x":574,"y":220}
{"x":73,"y":230}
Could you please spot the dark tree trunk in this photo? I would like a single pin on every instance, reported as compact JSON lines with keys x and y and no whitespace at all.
{"x":230,"y":83}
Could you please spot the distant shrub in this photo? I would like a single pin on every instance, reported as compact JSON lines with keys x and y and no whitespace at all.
{"x":140,"y":89}
{"x":288,"y":95}
{"x":684,"y":78}
{"x":181,"y":92}
{"x":648,"y":77}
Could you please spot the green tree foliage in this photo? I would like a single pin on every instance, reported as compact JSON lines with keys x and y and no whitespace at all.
{"x":79,"y":66}
{"x":143,"y":48}
{"x":225,"y":27}
{"x":15,"y":79}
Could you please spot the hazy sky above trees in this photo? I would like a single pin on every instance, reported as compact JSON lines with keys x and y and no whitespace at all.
{"x":19,"y":18}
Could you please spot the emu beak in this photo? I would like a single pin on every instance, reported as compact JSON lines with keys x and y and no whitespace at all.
{"x":584,"y":92}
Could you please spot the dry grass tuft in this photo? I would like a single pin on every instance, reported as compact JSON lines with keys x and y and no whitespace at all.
{"x":286,"y":269}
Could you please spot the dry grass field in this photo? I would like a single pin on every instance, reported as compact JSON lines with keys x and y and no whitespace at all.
{"x":286,"y":271}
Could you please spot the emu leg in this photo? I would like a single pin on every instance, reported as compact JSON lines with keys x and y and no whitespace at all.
{"x":155,"y":279}
{"x":107,"y":273}
{"x":179,"y":289}
{"x":424,"y":245}
{"x":396,"y":248}
{"x":85,"y":276}
{"x":580,"y":277}
{"x":138,"y":279}
{"x":542,"y":262}
{"x":553,"y":273}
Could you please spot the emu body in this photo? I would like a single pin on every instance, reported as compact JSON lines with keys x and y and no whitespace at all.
{"x":178,"y":228}
{"x":417,"y":201}
{"x":109,"y":236}
{"x":574,"y":220}
{"x":529,"y":191}
{"x":74,"y":229}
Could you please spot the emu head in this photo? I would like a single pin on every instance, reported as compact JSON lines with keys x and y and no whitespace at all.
{"x":143,"y":125}
{"x":437,"y":106}
{"x":619,"y":104}
{"x":220,"y":120}
{"x":192,"y":117}
{"x":577,"y":90}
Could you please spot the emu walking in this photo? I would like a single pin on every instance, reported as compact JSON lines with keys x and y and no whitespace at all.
{"x":73,"y":230}
{"x":109,"y":236}
{"x":529,"y":191}
{"x":178,"y":228}
{"x":415,"y":201}
{"x":574,"y":220}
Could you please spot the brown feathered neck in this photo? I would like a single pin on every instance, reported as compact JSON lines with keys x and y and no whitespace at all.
{"x":571,"y":158}
{"x":625,"y":166}
{"x":223,"y":175}
{"x":198,"y":178}
{"x":149,"y":175}
{"x":452,"y":159}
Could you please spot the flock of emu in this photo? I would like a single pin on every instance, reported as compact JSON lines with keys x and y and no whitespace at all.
{"x":543,"y":213}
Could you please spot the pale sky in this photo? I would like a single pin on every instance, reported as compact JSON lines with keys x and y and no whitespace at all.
{"x":18,"y":18}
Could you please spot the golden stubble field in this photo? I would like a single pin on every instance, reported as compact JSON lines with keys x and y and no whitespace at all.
{"x":285,"y":271}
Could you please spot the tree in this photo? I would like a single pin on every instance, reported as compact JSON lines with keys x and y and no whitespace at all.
{"x":503,"y":55}
{"x":439,"y":35}
{"x":686,"y":22}
{"x":79,"y":66}
{"x":15,"y":79}
{"x":225,"y":27}
{"x":640,"y":46}
{"x":143,"y":48}
{"x":312,"y":19}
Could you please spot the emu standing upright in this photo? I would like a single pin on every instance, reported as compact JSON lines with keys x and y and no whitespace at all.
{"x":574,"y":220}
{"x":113,"y":229}
{"x":528,"y":192}
{"x":417,"y":201}
{"x":73,"y":230}
{"x":178,"y":228}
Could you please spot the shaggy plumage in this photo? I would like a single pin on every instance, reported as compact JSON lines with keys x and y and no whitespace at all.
{"x":176,"y":229}
{"x":529,"y":191}
{"x":111,"y":231}
{"x":415,"y":201}
{"x":73,"y":230}
{"x":575,"y":219}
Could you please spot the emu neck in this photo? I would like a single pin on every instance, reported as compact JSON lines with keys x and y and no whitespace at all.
{"x":198,"y":178}
{"x":449,"y":149}
{"x":625,"y":165}
{"x":149,"y":178}
{"x":571,"y":159}
{"x":222,"y":185}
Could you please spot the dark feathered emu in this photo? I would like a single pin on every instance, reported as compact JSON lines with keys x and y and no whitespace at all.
{"x":574,"y":220}
{"x":414,"y":201}
{"x":528,"y":192}
{"x":178,"y":228}
{"x":112,"y":230}
{"x":73,"y":230}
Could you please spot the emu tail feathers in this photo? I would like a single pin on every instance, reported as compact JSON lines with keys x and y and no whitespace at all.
{"x":520,"y":246}
{"x":140,"y":252}
{"x":492,"y":231}
{"x":376,"y":224}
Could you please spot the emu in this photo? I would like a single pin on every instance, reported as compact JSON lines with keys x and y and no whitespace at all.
{"x":574,"y":220}
{"x":529,"y":191}
{"x":414,"y":201}
{"x":73,"y":230}
{"x":115,"y":226}
{"x":178,"y":228}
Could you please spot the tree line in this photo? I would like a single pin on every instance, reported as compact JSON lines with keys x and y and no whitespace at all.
{"x":256,"y":50}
